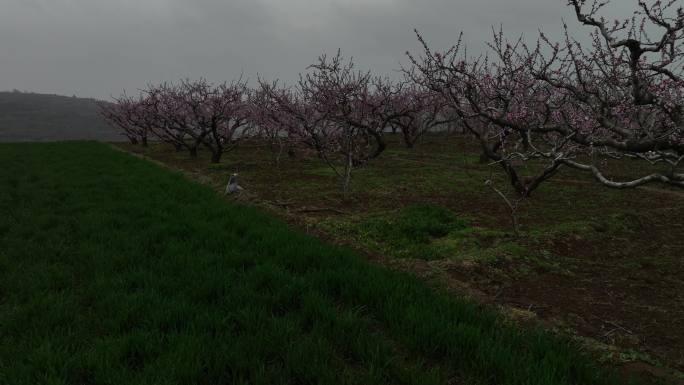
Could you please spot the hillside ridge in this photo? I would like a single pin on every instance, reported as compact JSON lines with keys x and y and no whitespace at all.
{"x":48,"y":117}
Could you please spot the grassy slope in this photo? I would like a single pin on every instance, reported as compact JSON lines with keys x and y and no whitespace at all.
{"x":113,"y":270}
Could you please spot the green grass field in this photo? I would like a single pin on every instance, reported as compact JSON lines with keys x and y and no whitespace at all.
{"x":116,"y":271}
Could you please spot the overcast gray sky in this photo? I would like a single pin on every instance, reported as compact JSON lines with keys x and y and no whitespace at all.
{"x":97,"y":48}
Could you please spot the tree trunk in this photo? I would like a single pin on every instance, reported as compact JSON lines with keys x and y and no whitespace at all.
{"x":408,"y":141}
{"x":380,"y":144}
{"x":279,"y":155}
{"x":291,"y":153}
{"x":490,"y":154}
{"x":193,"y":152}
{"x":346,"y":179}
{"x":216,"y":156}
{"x":144,"y":141}
{"x":513,"y":207}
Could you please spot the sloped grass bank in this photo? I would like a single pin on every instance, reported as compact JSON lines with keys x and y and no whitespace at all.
{"x":113,"y":270}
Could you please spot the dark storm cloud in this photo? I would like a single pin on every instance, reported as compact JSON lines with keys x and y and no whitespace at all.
{"x":99,"y":47}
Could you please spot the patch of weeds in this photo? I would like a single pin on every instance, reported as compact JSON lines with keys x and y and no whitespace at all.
{"x":322,"y":171}
{"x":423,"y":222}
{"x":455,"y":180}
{"x":634,"y":356}
{"x":542,"y":261}
{"x":430,"y":232}
{"x":609,"y":224}
{"x":627,"y":222}
{"x":219,"y":167}
{"x":632,"y":265}
{"x":562,"y":228}
{"x":452,"y":246}
{"x":500,"y":250}
{"x":549,"y":262}
{"x":606,"y":353}
{"x":418,"y":231}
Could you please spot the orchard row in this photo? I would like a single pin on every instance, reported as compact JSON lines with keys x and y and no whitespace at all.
{"x":555,"y":105}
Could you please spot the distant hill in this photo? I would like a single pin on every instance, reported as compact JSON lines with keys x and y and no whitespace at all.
{"x":40,"y":117}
